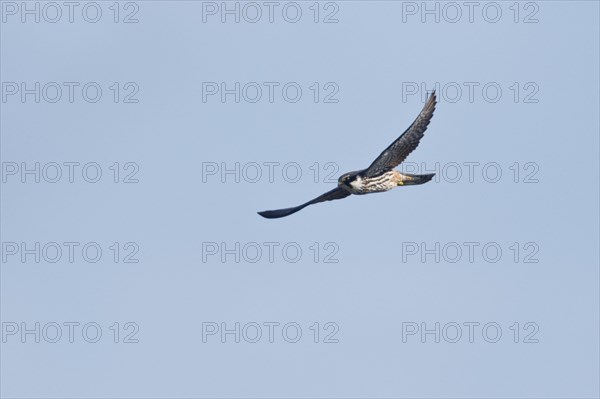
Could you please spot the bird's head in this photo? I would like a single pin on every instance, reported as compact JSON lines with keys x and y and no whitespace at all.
{"x":347,"y":178}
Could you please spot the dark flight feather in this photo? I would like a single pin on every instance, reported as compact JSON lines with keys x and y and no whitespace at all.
{"x":397,"y":152}
{"x":336,"y":193}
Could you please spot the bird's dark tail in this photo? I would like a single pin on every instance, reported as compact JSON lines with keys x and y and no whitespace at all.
{"x":413,"y":180}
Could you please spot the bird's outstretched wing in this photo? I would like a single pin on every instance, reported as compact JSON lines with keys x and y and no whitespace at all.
{"x":336,"y":193}
{"x":397,"y":152}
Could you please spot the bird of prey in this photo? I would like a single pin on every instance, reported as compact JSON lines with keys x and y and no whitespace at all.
{"x":380,"y":175}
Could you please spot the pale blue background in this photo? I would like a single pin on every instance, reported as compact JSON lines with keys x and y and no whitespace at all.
{"x":370,"y":292}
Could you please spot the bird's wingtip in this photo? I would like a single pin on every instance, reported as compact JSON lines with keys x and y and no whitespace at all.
{"x":267,"y":214}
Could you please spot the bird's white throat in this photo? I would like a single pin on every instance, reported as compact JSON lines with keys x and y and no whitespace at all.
{"x":357,"y":183}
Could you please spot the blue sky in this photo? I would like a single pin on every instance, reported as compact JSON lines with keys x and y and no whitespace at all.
{"x":135,"y":155}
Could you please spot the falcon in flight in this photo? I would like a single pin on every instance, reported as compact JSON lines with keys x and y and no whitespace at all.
{"x":380,"y":176}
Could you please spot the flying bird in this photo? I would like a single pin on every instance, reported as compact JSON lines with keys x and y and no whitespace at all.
{"x":380,"y":176}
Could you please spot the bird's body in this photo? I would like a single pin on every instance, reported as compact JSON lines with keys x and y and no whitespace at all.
{"x":357,"y":183}
{"x":380,"y":176}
